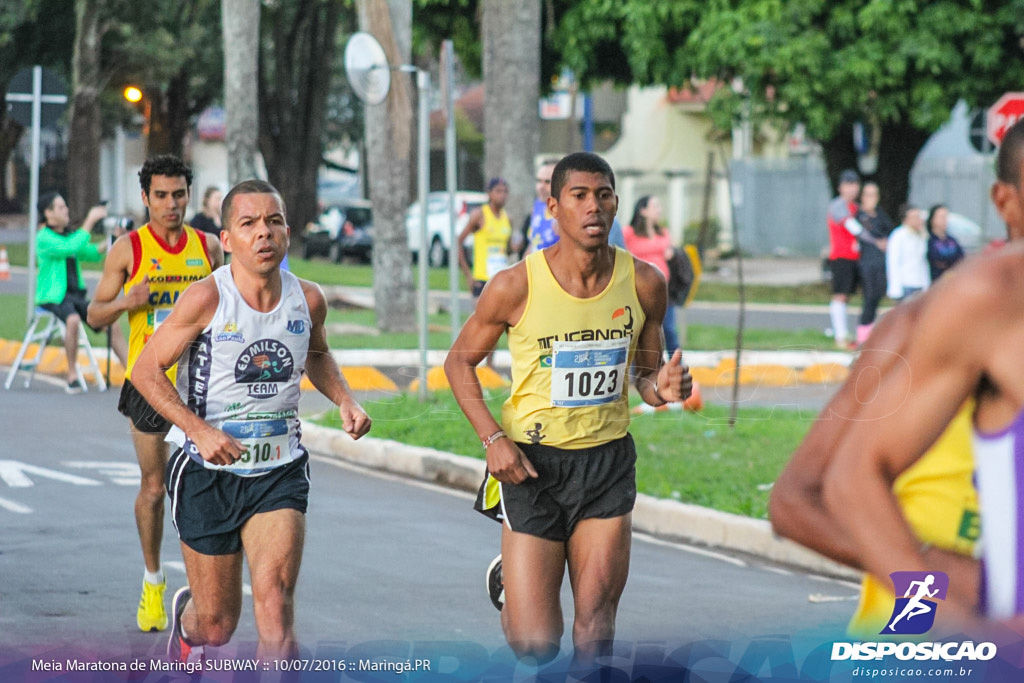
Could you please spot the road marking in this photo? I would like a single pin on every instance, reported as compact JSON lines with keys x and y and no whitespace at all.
{"x":14,"y":475}
{"x":120,"y":473}
{"x":690,"y":549}
{"x":842,"y":582}
{"x":430,"y":486}
{"x":818,"y":597}
{"x":637,"y":535}
{"x":775,"y":570}
{"x":14,"y":507}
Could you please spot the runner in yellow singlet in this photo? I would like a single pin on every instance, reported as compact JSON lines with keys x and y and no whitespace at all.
{"x":144,"y":274}
{"x":869,"y":488}
{"x":938,"y":499}
{"x":491,"y":230}
{"x":580,"y":315}
{"x":936,"y":495}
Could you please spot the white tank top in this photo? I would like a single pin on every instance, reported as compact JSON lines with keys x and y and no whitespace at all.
{"x":999,"y":472}
{"x":242,"y":375}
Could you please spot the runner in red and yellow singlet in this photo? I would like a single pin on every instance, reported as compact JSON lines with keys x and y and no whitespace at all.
{"x":144,"y":274}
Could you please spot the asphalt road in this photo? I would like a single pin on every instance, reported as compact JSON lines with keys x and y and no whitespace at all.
{"x":390,"y":565}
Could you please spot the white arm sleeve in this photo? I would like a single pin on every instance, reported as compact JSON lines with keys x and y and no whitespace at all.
{"x":853,"y":226}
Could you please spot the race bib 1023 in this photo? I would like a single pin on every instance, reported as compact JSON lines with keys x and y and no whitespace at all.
{"x":589,"y":373}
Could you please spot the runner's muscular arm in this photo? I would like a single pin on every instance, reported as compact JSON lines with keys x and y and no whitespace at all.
{"x":915,"y":401}
{"x":796,"y":508}
{"x":323,"y":372}
{"x":189,"y":317}
{"x":500,"y":305}
{"x":656,"y":383}
{"x":108,"y":303}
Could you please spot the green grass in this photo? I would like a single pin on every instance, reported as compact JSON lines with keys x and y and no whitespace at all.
{"x":12,"y":322}
{"x":326,"y":272}
{"x":811,"y":293}
{"x":691,"y":457}
{"x":439,"y":336}
{"x":698,"y":337}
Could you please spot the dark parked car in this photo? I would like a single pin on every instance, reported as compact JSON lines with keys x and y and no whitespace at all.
{"x":344,"y":229}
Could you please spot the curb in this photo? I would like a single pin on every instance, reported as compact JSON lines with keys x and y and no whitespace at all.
{"x":655,"y":516}
{"x":362,"y":367}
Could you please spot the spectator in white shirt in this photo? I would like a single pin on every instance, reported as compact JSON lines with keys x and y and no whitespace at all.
{"x":906,"y":257}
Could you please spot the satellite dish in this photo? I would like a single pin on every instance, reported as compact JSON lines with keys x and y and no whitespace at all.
{"x":366,"y":67}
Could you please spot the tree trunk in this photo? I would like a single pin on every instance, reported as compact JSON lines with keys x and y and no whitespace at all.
{"x":839,"y":155}
{"x":511,"y":55}
{"x":241,"y":20}
{"x":293,"y":81}
{"x":10,"y":133}
{"x":391,"y":161}
{"x":84,"y":129}
{"x":169,"y":112}
{"x":899,"y":146}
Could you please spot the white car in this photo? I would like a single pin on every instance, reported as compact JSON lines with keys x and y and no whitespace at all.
{"x":438,"y":223}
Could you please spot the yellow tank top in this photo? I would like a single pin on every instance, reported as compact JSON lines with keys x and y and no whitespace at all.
{"x":571,"y":360}
{"x":490,"y":244}
{"x":171,"y":270}
{"x":938,"y":499}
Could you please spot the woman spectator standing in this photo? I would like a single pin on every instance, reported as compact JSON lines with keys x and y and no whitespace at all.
{"x":649,"y":241}
{"x":877,"y":227}
{"x":906,"y":256}
{"x":944,"y":251}
{"x":208,"y":218}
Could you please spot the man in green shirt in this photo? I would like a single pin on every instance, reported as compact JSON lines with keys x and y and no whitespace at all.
{"x":60,"y":288}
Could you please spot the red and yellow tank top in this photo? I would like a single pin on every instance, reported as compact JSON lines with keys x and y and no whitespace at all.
{"x":571,"y":359}
{"x":171,"y":269}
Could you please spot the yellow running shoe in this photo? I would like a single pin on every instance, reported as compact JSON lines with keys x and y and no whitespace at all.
{"x":151,"y":615}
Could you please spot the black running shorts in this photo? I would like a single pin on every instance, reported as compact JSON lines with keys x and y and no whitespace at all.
{"x":210,"y":507}
{"x":74,"y":302}
{"x":573,"y":485}
{"x":845,"y":275}
{"x":137,"y":409}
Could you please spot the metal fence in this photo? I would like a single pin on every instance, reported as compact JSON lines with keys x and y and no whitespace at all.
{"x":963,"y":184}
{"x":779,"y":205}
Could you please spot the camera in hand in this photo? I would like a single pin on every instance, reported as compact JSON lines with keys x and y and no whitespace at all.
{"x":112,"y":224}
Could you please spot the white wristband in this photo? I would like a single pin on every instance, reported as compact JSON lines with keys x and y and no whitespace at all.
{"x":492,"y":438}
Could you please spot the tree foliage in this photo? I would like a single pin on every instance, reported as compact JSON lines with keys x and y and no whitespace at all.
{"x":172,"y":50}
{"x":900,"y":65}
{"x":30,"y":35}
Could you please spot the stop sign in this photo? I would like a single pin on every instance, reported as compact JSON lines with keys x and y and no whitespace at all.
{"x":1003,"y":114}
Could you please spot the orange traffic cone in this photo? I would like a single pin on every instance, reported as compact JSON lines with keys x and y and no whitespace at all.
{"x":5,"y":264}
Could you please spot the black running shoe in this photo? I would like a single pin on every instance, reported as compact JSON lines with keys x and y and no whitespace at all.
{"x":496,"y":584}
